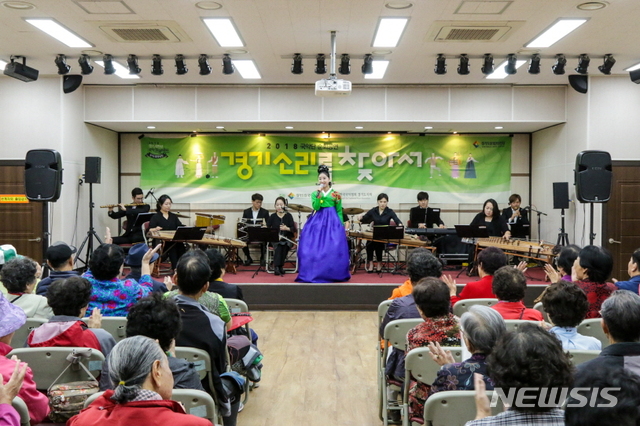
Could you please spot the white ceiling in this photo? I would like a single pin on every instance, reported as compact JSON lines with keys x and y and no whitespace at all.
{"x":273,"y":30}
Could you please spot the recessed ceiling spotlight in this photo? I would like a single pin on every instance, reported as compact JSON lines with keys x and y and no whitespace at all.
{"x":398,"y":5}
{"x":455,"y":133}
{"x":151,"y":127}
{"x":219,"y":127}
{"x":208,"y":5}
{"x":357,"y":127}
{"x":18,"y":5}
{"x":289,"y":127}
{"x":592,"y":5}
{"x":428,"y":127}
{"x":498,"y":127}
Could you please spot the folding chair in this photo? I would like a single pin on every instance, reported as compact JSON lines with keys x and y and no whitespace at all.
{"x":593,"y":327}
{"x":292,"y":255}
{"x":237,"y":306}
{"x":117,"y":326}
{"x":22,"y":410}
{"x":577,"y":357}
{"x":48,"y":362}
{"x":92,"y":398}
{"x":198,"y":403}
{"x":20,"y":337}
{"x":383,"y":307}
{"x":463,"y":306}
{"x":513,"y":325}
{"x":538,"y":307}
{"x":454,"y":408}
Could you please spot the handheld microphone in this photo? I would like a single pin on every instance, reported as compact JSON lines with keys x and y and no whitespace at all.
{"x":319,"y":184}
{"x":149,"y":193}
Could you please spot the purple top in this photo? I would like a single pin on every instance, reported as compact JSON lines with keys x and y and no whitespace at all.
{"x":9,"y":416}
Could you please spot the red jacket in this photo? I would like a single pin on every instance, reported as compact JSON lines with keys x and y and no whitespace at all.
{"x":517,"y":311}
{"x":476,"y":290}
{"x":165,"y":412}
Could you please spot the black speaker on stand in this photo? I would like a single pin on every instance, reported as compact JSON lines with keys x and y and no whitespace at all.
{"x":561,"y":201}
{"x":92,"y":174}
{"x":43,"y":175}
{"x":593,"y":175}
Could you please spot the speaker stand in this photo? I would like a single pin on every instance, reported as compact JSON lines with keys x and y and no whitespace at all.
{"x":592,"y":235}
{"x":563,"y":238}
{"x":91,"y":234}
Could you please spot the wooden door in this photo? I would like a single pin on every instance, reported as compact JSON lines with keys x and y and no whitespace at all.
{"x":22,"y":225}
{"x":621,"y":216}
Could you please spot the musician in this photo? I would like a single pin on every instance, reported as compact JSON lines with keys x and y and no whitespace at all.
{"x":132,"y":234}
{"x":254,"y":215}
{"x":516,"y":217}
{"x":491,"y":218}
{"x":381,"y":215}
{"x":282,"y":221}
{"x":167,"y":221}
{"x":424,"y":216}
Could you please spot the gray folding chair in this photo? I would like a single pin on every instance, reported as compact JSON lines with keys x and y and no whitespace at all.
{"x":198,"y":403}
{"x":237,"y":306}
{"x":454,"y":408}
{"x":538,"y":306}
{"x":513,"y":325}
{"x":577,"y":357}
{"x":593,"y":327}
{"x":116,"y":326}
{"x":22,"y":410}
{"x":463,"y":306}
{"x":382,"y":311}
{"x":92,"y":398}
{"x":19,"y":339}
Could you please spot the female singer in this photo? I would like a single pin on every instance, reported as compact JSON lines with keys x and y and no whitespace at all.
{"x":165,"y":220}
{"x":491,"y":218}
{"x":282,"y":221}
{"x":323,"y":252}
{"x":380,"y":215}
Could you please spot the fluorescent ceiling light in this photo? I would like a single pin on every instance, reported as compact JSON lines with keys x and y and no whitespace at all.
{"x":224,"y":32}
{"x":246,"y":68}
{"x":632,"y":68}
{"x":3,"y":64}
{"x":121,"y":70}
{"x":379,"y":68}
{"x":499,"y":72}
{"x":389,"y":32}
{"x":59,"y":32}
{"x":556,"y":32}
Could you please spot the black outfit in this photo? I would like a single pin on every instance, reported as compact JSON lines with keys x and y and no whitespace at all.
{"x":428,"y":216}
{"x":175,"y":250}
{"x":281,"y":248}
{"x":248,"y":214}
{"x":517,"y":228}
{"x":496,"y":228}
{"x":54,"y":275}
{"x":374,"y":216}
{"x":132,"y":234}
{"x":226,"y":290}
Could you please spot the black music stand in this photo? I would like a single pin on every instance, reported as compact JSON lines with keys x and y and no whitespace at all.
{"x":187,"y":233}
{"x":470,"y":232}
{"x":140,"y":220}
{"x":264,"y":236}
{"x":391,"y":235}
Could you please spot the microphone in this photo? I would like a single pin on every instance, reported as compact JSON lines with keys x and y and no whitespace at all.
{"x":319,"y":184}
{"x":527,"y":208}
{"x":149,"y":193}
{"x":285,"y":208}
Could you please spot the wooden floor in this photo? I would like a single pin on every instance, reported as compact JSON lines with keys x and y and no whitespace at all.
{"x":319,"y":369}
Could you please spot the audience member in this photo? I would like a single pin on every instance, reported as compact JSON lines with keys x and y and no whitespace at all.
{"x":565,"y":260}
{"x":12,"y":319}
{"x":139,"y":371}
{"x":113,"y":296}
{"x":59,"y":257}
{"x":591,"y":269}
{"x":19,"y":277}
{"x":510,"y":284}
{"x":527,"y":360}
{"x":407,"y":287}
{"x":489,"y":261}
{"x":69,"y":299}
{"x":8,"y":391}
{"x":566,"y":305}
{"x":633,"y":269}
{"x":134,"y":262}
{"x":158,"y":318}
{"x":218,"y":269}
{"x":439,"y":326}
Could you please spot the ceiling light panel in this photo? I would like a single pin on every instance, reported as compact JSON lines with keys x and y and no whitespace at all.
{"x":59,"y":32}
{"x":379,"y":68}
{"x":557,"y":31}
{"x":121,"y":70}
{"x":631,"y":68}
{"x":224,"y":32}
{"x":389,"y":32}
{"x":247,"y":69}
{"x":500,"y":72}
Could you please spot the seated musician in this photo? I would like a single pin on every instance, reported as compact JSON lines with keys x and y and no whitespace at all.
{"x":282,"y":221}
{"x":253,"y":215}
{"x":132,"y":234}
{"x":381,"y":215}
{"x":164,"y":220}
{"x":516,"y":217}
{"x":491,"y":218}
{"x":424,"y":216}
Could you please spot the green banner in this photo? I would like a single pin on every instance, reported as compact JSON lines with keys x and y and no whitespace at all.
{"x":460,"y":168}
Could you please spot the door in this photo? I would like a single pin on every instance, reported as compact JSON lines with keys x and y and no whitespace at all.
{"x":621,"y":216}
{"x":22,"y":224}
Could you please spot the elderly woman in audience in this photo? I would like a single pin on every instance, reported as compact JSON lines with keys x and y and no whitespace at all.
{"x":489,"y":261}
{"x":12,"y":318}
{"x":530,"y":361}
{"x":69,"y":299}
{"x":8,"y":391}
{"x":509,"y":284}
{"x":112,"y":295}
{"x":158,"y":318}
{"x":633,"y":269}
{"x":591,"y":269}
{"x":566,"y":305}
{"x":143,"y":382}
{"x":19,"y":278}
{"x":440,"y":326}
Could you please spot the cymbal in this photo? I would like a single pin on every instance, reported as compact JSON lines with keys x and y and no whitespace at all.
{"x":300,"y":208}
{"x":353,"y":210}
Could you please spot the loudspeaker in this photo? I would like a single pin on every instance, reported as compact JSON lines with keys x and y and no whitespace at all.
{"x":635,"y":76}
{"x":43,"y":175}
{"x":580,"y":83}
{"x":593,"y":176}
{"x":92,"y":173}
{"x":560,"y":195}
{"x":71,"y":82}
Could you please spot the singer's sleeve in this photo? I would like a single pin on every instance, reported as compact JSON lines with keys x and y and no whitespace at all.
{"x":339,"y":207}
{"x":315,"y":201}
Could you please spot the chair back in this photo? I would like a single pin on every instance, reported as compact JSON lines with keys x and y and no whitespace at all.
{"x":48,"y":362}
{"x":395,"y":333}
{"x":91,"y":398}
{"x":454,"y":408}
{"x":593,"y":327}
{"x":463,"y":306}
{"x":20,"y":336}
{"x":116,"y":326}
{"x":513,"y":325}
{"x":419,"y":364}
{"x":577,"y":357}
{"x":538,"y":307}
{"x":23,"y":411}
{"x":197,"y":403}
{"x":237,"y":305}
{"x":383,"y":307}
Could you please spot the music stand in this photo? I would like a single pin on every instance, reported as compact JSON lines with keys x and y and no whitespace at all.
{"x":188,"y":233}
{"x":389,"y":233}
{"x":141,"y":219}
{"x":264,"y":236}
{"x":470,"y":232}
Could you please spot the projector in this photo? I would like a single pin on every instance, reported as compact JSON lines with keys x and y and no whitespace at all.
{"x":21,"y":72}
{"x":333,"y":87}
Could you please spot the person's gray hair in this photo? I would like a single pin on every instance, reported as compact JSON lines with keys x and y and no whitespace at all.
{"x":130,"y":362}
{"x":621,"y":313}
{"x":483,"y":326}
{"x":422,"y":264}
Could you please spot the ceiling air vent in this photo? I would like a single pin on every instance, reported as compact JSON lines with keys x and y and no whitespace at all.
{"x":144,"y":32}
{"x":461,"y":31}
